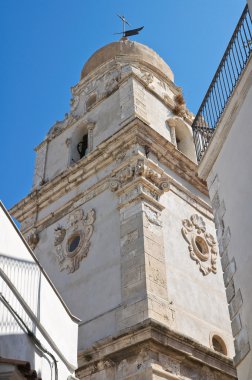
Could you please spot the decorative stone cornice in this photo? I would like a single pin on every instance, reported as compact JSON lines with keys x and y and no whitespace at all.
{"x":179,"y":352}
{"x":135,"y":133}
{"x":139,"y":179}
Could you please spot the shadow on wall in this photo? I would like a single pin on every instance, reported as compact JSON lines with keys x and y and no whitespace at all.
{"x":182,"y":137}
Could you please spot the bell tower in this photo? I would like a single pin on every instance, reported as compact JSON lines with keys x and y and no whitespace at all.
{"x":122,"y":225}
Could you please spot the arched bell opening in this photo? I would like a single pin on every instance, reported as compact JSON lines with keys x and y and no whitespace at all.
{"x":81,"y":142}
{"x":182,"y":137}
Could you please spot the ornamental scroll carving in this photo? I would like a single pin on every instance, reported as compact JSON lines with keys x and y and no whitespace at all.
{"x":202,"y":245}
{"x":136,"y":170}
{"x":72,"y":243}
{"x":33,"y":239}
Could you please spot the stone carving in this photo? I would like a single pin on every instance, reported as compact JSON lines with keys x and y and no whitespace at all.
{"x":152,"y":216}
{"x":71,"y":119}
{"x":40,"y":165}
{"x":59,"y":235}
{"x":74,"y":102}
{"x":33,"y":239}
{"x":55,"y":130}
{"x":202,"y":245}
{"x":111,"y":85}
{"x":90,"y":87}
{"x":72,"y":243}
{"x":147,"y":77}
{"x":136,"y":170}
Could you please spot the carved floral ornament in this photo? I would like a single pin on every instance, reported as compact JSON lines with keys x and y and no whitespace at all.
{"x":202,"y":245}
{"x":72,"y":243}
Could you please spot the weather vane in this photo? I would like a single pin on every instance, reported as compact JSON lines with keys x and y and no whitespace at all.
{"x":127,"y":33}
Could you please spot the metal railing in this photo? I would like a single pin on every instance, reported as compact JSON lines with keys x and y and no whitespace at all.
{"x":223,"y":84}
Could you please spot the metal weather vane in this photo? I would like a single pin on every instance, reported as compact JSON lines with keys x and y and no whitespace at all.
{"x":131,"y":32}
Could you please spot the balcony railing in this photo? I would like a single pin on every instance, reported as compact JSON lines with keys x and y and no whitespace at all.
{"x":223,"y":84}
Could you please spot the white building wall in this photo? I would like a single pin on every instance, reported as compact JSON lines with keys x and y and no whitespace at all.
{"x":189,"y":290}
{"x":227,"y":169}
{"x":26,"y":289}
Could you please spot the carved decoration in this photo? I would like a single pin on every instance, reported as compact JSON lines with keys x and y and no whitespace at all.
{"x":72,"y":243}
{"x":147,"y":77}
{"x":202,"y":245}
{"x":74,"y":102}
{"x":33,"y":239}
{"x":71,"y":119}
{"x":111,"y":85}
{"x":152,"y":216}
{"x":135,"y":170}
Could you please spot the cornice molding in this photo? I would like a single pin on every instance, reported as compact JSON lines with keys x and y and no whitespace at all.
{"x":136,"y":132}
{"x":150,"y":335}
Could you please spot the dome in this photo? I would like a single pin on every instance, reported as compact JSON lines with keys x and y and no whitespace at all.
{"x":126,"y":50}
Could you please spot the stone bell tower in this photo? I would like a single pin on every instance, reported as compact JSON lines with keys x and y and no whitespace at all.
{"x":122,"y":225}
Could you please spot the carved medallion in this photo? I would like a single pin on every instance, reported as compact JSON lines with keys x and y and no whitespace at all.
{"x":72,"y":243}
{"x":202,"y":245}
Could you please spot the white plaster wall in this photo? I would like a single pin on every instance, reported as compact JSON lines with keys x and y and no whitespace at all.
{"x":157,"y":114}
{"x":95,"y":287}
{"x":199,"y":301}
{"x":107,"y":116}
{"x":43,"y":311}
{"x":233,"y":168}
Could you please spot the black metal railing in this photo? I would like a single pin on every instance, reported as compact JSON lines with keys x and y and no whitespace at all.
{"x":223,"y":84}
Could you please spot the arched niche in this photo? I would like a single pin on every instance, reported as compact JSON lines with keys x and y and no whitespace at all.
{"x":81,"y":141}
{"x":182,"y":137}
{"x":218,"y":344}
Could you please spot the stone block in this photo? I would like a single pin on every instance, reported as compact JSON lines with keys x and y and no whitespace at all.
{"x":213,"y":186}
{"x":136,"y":245}
{"x":216,"y":202}
{"x":134,"y":291}
{"x":235,"y":304}
{"x":154,"y":233}
{"x":157,"y":289}
{"x":155,"y":271}
{"x":242,"y":346}
{"x":129,"y":237}
{"x":134,"y":258}
{"x":236,"y":325}
{"x":154,"y":249}
{"x":230,"y":291}
{"x":222,"y":209}
{"x":225,"y":239}
{"x":229,"y":272}
{"x":130,"y":224}
{"x":225,"y":260}
{"x":131,"y":321}
{"x":131,"y":276}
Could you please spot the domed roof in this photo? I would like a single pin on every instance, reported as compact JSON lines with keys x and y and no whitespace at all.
{"x":126,"y":50}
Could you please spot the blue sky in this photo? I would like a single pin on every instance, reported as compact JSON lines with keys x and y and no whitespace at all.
{"x":45,"y":43}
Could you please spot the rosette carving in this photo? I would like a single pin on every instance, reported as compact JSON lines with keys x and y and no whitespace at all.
{"x":202,"y":245}
{"x":72,"y":242}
